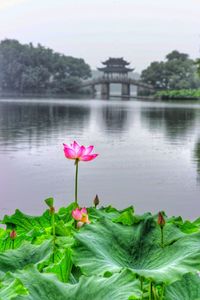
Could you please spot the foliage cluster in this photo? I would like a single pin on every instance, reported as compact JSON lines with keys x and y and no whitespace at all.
{"x":198,"y":66}
{"x":117,"y":256}
{"x":179,"y":94}
{"x":178,"y":71}
{"x":29,"y":69}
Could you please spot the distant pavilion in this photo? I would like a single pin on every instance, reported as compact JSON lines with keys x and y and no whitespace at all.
{"x":115,"y":67}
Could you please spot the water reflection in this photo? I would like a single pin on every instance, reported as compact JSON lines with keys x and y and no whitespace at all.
{"x":115,"y":119}
{"x":28,"y":123}
{"x":197,"y":157}
{"x":147,"y":155}
{"x":174,"y":122}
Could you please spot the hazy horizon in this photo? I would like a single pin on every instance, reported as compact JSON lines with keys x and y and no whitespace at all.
{"x":94,"y":30}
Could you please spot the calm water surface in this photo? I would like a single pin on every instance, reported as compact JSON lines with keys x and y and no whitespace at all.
{"x":149,"y":154}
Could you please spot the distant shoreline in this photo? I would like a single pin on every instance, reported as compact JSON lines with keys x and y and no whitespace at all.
{"x":41,"y":95}
{"x":7,"y":95}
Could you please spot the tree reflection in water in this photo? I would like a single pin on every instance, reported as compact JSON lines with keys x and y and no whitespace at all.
{"x":35,"y":123}
{"x":197,"y":157}
{"x":175,"y":123}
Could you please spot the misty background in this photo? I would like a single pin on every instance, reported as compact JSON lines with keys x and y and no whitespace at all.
{"x":141,"y":31}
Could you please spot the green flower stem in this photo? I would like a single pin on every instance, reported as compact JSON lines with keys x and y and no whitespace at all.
{"x":141,"y":285}
{"x":13,"y":244}
{"x":162,"y":236}
{"x":53,"y":226}
{"x":76,"y":182}
{"x":162,"y":293}
{"x":155,"y":295}
{"x":54,"y":231}
{"x":150,"y":290}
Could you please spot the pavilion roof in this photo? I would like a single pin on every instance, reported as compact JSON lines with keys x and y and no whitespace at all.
{"x":115,"y":65}
{"x":119,"y":61}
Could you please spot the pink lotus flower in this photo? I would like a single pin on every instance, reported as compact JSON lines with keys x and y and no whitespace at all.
{"x":81,"y":215}
{"x":79,"y":153}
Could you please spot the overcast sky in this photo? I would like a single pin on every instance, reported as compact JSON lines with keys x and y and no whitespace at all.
{"x":139,"y":30}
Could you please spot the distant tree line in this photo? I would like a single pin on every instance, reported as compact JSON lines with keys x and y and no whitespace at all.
{"x":177,"y":72}
{"x":198,"y":66}
{"x":29,"y":69}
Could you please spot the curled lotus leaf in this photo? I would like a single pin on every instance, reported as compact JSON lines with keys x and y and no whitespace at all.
{"x":108,"y":247}
{"x":47,"y":287}
{"x":188,"y":288}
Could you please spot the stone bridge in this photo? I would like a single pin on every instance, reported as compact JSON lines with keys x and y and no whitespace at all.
{"x":125,"y":82}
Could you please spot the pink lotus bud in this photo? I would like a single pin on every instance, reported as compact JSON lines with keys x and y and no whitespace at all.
{"x":13,"y":234}
{"x":96,"y":201}
{"x":161,"y":220}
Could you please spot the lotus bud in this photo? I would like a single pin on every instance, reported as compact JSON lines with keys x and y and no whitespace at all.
{"x":96,"y":201}
{"x":13,"y":235}
{"x":49,"y":202}
{"x":161,"y":220}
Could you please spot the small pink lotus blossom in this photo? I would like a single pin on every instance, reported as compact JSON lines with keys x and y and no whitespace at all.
{"x":77,"y":152}
{"x":81,"y":215}
{"x":80,"y":224}
{"x":13,"y":234}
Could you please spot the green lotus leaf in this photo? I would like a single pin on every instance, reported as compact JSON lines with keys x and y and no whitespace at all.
{"x":186,"y":289}
{"x":12,"y":290}
{"x":12,"y":260}
{"x":176,"y":220}
{"x":65,"y":213}
{"x":7,"y":243}
{"x":122,"y":216}
{"x":60,"y":261}
{"x":189,"y":227}
{"x":64,"y":229}
{"x":108,"y":247}
{"x":186,"y":226}
{"x":25,"y":223}
{"x":48,"y":287}
{"x":63,"y":265}
{"x":126,"y":218}
{"x":36,"y":226}
{"x":64,"y":242}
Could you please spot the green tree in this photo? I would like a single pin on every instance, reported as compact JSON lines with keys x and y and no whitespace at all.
{"x":25,"y":68}
{"x":178,"y":71}
{"x":198,"y":66}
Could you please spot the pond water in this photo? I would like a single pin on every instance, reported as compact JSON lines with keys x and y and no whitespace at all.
{"x":149,"y":154}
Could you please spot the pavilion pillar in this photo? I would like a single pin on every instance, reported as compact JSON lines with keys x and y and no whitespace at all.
{"x":105,"y":90}
{"x":93,"y":90}
{"x":137,"y":90}
{"x":125,"y":89}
